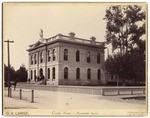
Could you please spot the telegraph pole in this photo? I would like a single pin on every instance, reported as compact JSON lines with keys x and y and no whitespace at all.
{"x":8,"y":41}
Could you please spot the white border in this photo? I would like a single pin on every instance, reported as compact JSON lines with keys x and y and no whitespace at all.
{"x":68,"y":1}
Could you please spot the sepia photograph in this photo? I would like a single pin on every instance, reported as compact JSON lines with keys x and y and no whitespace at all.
{"x":74,"y":59}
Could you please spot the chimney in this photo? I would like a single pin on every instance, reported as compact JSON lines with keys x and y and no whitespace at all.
{"x":93,"y":40}
{"x":72,"y":35}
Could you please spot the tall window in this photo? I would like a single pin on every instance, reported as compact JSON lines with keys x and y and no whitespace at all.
{"x":35,"y":59}
{"x":49,"y":58}
{"x":88,"y":57}
{"x":53,"y":53}
{"x":35,"y":75}
{"x":65,"y":73}
{"x":34,"y":72}
{"x":65,"y":54}
{"x":88,"y":74}
{"x":41,"y":72}
{"x":98,"y":74}
{"x":77,"y":56}
{"x":98,"y":58}
{"x":41,"y":57}
{"x":31,"y":59}
{"x":48,"y":73}
{"x":78,"y":73}
{"x":53,"y":71}
{"x":31,"y":74}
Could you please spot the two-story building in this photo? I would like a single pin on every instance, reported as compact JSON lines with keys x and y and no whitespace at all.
{"x":66,"y":60}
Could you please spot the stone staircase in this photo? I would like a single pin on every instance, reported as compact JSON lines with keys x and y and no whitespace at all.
{"x":41,"y":82}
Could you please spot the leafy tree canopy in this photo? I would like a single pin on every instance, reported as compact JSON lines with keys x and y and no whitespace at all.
{"x":124,"y":31}
{"x":125,"y":26}
{"x":11,"y":71}
{"x":20,"y":75}
{"x":127,"y":67}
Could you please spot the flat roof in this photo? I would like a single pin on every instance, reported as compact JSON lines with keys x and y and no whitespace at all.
{"x":66,"y":39}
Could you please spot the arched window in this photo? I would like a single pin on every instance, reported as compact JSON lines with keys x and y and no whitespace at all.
{"x":65,"y":73}
{"x":31,"y":74}
{"x":65,"y":54}
{"x":77,"y":56}
{"x":48,"y":56}
{"x":88,"y":57}
{"x":88,"y":73}
{"x":41,"y":57}
{"x":53,"y":71}
{"x":98,"y":74}
{"x":48,"y":73}
{"x":53,"y":53}
{"x":98,"y":58}
{"x":35,"y":75}
{"x":41,"y":72}
{"x":35,"y":59}
{"x":78,"y":73}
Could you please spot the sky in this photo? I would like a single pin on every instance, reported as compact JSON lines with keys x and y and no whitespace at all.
{"x":22,"y":23}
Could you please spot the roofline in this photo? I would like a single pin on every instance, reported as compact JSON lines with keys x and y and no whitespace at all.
{"x":69,"y":37}
{"x":66,"y":41}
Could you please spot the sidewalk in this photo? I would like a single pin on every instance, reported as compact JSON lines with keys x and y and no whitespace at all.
{"x":63,"y":100}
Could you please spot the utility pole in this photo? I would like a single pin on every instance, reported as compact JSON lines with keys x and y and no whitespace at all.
{"x":8,"y":41}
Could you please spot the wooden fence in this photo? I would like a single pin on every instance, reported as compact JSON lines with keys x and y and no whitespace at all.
{"x":99,"y":90}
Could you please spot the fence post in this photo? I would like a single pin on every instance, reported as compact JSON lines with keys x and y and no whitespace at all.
{"x":20,"y":93}
{"x":32,"y":96}
{"x":10,"y":92}
{"x":102,"y":92}
{"x":144,"y":91}
{"x":131,"y":91}
{"x":118,"y":92}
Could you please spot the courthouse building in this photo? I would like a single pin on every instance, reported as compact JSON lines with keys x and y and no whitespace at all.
{"x":66,"y":60}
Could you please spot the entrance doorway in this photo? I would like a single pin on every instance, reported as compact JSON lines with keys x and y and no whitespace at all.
{"x":41,"y":72}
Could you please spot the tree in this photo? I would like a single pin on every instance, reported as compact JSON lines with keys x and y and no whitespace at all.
{"x":12,"y":75}
{"x":114,"y":65}
{"x":125,"y":26}
{"x":127,"y":67}
{"x":22,"y":74}
{"x":137,"y":68}
{"x":124,"y":30}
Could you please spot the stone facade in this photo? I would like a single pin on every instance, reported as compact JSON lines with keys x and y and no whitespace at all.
{"x":67,"y":60}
